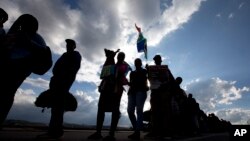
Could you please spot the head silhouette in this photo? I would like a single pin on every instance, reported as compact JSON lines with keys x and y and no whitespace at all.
{"x":138,"y":63}
{"x":3,"y":17}
{"x":190,"y":95}
{"x":110,"y":56}
{"x":70,"y":45}
{"x":25,"y":23}
{"x":178,"y":80}
{"x":120,"y":57}
{"x":157,"y":59}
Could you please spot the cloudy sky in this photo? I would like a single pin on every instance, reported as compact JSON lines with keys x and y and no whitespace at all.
{"x":206,"y":42}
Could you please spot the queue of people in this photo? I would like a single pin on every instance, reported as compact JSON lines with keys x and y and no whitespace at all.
{"x":23,"y":51}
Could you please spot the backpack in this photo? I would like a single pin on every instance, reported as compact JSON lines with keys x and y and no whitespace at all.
{"x":36,"y":55}
{"x":42,"y":61}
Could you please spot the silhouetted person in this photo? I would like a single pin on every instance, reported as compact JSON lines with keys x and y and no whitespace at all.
{"x":193,"y":110}
{"x":64,"y":74}
{"x":3,"y":19}
{"x":21,"y":46}
{"x":137,"y":95}
{"x":179,"y":90}
{"x":110,"y":57}
{"x":178,"y":107}
{"x":217,"y":125}
{"x":161,"y":79}
{"x":203,"y":121}
{"x":121,"y":69}
{"x":106,"y":90}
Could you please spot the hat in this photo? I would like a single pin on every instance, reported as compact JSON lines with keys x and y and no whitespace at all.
{"x":70,"y":41}
{"x":157,"y":57}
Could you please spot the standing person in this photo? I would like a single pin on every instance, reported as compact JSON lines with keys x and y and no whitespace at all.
{"x":121,"y":70}
{"x":106,"y":90}
{"x":192,"y":115}
{"x":64,"y":74}
{"x":160,"y":78}
{"x":115,"y":90}
{"x":136,"y":98}
{"x":3,"y":19}
{"x":178,"y":106}
{"x":21,"y":47}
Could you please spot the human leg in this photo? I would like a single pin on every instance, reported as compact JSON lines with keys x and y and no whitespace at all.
{"x":157,"y":121}
{"x":140,"y":100}
{"x":131,"y":109}
{"x":131,"y":113}
{"x":100,"y":120}
{"x":116,"y":113}
{"x":99,"y":123}
{"x":56,"y":121}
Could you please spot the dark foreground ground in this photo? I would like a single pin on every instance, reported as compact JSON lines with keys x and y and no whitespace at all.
{"x":29,"y":134}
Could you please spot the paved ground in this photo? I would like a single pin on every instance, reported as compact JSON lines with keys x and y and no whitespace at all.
{"x":29,"y":134}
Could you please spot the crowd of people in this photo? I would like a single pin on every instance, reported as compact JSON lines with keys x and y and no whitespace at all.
{"x":23,"y":51}
{"x":188,"y":119}
{"x":173,"y":113}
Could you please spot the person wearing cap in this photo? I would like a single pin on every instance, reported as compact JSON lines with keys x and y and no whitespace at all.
{"x":160,"y":78}
{"x":64,"y":74}
{"x":3,"y":19}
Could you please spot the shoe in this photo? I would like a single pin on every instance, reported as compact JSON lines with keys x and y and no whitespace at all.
{"x":135,"y":136}
{"x":95,"y":136}
{"x":109,"y":138}
{"x":47,"y":136}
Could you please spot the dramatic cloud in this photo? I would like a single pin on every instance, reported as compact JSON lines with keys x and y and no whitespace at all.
{"x":95,"y":25}
{"x":214,"y":92}
{"x":86,"y":110}
{"x":235,"y":115}
{"x":89,"y":72}
{"x":25,"y":109}
{"x":39,"y":82}
{"x":24,"y":96}
{"x":172,"y":19}
{"x":209,"y":94}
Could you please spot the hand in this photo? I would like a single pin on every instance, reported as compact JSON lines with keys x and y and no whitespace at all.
{"x":138,"y":28}
{"x":117,"y":50}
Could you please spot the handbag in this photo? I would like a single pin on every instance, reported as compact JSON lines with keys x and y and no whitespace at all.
{"x":48,"y":99}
